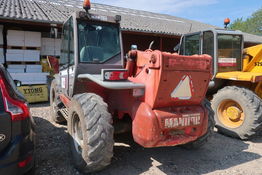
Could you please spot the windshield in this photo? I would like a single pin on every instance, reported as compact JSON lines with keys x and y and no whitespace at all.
{"x":192,"y":44}
{"x":229,"y":46}
{"x":98,"y":42}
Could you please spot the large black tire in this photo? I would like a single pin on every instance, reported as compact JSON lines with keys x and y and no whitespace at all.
{"x":90,"y":133}
{"x":250,"y":105}
{"x":210,"y":130}
{"x":55,"y":105}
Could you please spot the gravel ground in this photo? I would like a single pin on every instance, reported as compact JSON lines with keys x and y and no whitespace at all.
{"x":222,"y":155}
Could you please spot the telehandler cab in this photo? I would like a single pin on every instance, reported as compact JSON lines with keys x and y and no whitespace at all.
{"x":236,"y":84}
{"x":163,"y":94}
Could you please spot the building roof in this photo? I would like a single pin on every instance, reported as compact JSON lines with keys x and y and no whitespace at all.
{"x":57,"y":11}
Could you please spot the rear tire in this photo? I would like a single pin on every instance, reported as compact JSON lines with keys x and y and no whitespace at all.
{"x":55,"y":105}
{"x":210,"y":130}
{"x":91,"y":133}
{"x":249,"y":106}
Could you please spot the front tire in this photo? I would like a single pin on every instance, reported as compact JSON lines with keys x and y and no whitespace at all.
{"x":210,"y":130}
{"x":90,"y":133}
{"x":238,"y":112}
{"x":55,"y":105}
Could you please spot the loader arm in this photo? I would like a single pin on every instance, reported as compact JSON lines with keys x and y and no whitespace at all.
{"x":253,"y":60}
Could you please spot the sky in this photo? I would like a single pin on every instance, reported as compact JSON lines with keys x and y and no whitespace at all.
{"x":207,"y":11}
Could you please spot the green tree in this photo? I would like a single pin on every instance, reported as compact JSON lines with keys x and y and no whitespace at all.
{"x":251,"y":25}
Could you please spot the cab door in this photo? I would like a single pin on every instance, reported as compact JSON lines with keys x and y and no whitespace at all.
{"x":72,"y":64}
{"x":67,"y":57}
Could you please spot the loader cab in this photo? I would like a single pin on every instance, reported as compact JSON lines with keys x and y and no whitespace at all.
{"x":90,"y":43}
{"x":224,"y":46}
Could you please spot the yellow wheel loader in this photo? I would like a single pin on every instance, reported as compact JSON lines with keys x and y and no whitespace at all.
{"x":236,"y":86}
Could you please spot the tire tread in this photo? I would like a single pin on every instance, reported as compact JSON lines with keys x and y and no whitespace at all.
{"x":254,"y":104}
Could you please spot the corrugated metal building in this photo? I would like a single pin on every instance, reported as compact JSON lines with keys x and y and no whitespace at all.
{"x":139,"y":27}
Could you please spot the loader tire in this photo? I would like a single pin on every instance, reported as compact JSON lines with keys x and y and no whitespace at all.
{"x":55,"y":105}
{"x":210,"y":130}
{"x":238,"y":112}
{"x":90,"y":133}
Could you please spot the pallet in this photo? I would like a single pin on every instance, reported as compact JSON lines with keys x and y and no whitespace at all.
{"x":45,"y":56}
{"x":23,"y":62}
{"x":23,"y":48}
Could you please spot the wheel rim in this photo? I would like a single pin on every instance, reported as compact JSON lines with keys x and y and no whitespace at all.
{"x":231,"y":114}
{"x":77,"y":134}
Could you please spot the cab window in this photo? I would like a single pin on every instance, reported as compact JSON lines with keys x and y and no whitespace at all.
{"x":64,"y":47}
{"x":192,"y":45}
{"x":67,"y":48}
{"x":98,"y":42}
{"x":208,"y":43}
{"x":71,"y":42}
{"x":229,"y":51}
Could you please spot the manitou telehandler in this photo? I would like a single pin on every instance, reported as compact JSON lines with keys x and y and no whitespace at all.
{"x":163,"y":94}
{"x":236,"y":86}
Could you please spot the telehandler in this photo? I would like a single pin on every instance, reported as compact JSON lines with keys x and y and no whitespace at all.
{"x":236,"y":84}
{"x":96,"y":89}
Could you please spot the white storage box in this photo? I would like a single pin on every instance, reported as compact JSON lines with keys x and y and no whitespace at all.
{"x":32,"y":39}
{"x":14,"y":55}
{"x":22,"y":55}
{"x":15,"y":38}
{"x":47,"y":50}
{"x":16,"y":66}
{"x":48,"y":42}
{"x":58,"y":53}
{"x":30,"y":78}
{"x":15,"y":70}
{"x":48,"y":46}
{"x":31,"y":55}
{"x":33,"y":68}
{"x":1,"y":35}
{"x":58,"y":44}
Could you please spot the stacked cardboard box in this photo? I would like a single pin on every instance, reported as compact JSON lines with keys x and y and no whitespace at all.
{"x":30,"y":78}
{"x":23,"y":63}
{"x":28,"y":74}
{"x":20,"y":68}
{"x":20,"y":45}
{"x":23,"y":38}
{"x":24,"y":47}
{"x":16,"y":68}
{"x":33,"y":68}
{"x":51,"y":47}
{"x":19,"y":55}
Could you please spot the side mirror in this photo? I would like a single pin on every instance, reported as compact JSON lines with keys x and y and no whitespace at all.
{"x":177,"y":47}
{"x":18,"y":83}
